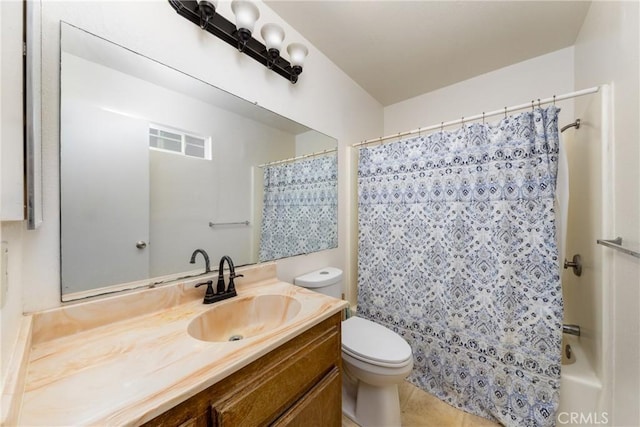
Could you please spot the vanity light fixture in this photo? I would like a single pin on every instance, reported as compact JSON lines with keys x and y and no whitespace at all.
{"x":239,"y":35}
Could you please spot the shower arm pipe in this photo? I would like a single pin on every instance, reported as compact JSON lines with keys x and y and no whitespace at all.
{"x":304,"y":156}
{"x":504,"y":110}
{"x":575,"y":124}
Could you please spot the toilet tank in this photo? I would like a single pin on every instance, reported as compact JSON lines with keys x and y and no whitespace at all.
{"x":327,"y":281}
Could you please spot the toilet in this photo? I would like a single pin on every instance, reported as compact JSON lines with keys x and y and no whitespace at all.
{"x":375,"y":359}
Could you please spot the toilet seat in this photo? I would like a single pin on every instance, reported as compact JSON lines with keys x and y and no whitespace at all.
{"x":375,"y":344}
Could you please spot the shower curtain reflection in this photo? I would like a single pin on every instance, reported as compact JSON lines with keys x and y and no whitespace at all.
{"x":300,"y":210}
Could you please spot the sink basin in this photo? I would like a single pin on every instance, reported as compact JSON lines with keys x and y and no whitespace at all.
{"x":244,"y":317}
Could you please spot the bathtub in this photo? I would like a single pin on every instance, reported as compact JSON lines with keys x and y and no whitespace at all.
{"x":580,"y":388}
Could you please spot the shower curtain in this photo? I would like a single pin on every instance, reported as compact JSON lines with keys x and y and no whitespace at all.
{"x":300,"y":209}
{"x":457,"y":253}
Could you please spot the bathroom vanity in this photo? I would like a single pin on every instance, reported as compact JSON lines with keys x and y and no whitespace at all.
{"x":298,"y":383}
{"x":132,"y":359}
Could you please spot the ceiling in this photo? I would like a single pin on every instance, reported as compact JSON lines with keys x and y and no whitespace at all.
{"x":397,"y":50}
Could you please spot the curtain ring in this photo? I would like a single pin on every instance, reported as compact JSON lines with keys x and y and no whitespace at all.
{"x":419,"y":132}
{"x":532,"y":101}
{"x":539,"y":103}
{"x":462,"y":120}
{"x":441,"y":127}
{"x":554,"y":100}
{"x":483,"y":117}
{"x":505,"y":112}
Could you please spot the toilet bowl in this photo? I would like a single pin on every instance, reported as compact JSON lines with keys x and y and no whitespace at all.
{"x":375,"y":360}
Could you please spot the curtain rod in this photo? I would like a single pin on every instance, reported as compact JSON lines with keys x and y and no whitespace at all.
{"x":504,"y":111}
{"x":293,"y":159}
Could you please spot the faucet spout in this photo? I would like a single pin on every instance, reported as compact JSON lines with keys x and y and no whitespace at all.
{"x":221,"y":293}
{"x":232,"y":275}
{"x":207,"y":263}
{"x":571,"y":330}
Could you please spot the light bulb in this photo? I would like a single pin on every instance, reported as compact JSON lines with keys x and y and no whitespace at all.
{"x":273,"y":36}
{"x":297,"y":53}
{"x":246,"y":14}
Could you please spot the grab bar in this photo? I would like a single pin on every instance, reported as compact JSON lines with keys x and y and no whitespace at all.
{"x":617,"y":245}
{"x":213,"y":224}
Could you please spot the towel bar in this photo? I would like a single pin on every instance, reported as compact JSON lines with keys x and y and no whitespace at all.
{"x":213,"y":224}
{"x":617,"y":245}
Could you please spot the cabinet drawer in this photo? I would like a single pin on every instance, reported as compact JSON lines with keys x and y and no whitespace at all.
{"x":320,"y":407}
{"x":277,"y":388}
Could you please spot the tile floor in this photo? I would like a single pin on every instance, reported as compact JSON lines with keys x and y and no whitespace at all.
{"x":421,"y":409}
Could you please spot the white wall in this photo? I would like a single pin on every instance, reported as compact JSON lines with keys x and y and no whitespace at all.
{"x":324,"y":99}
{"x":607,"y":51}
{"x":11,"y":174}
{"x":313,"y":142}
{"x":541,"y":77}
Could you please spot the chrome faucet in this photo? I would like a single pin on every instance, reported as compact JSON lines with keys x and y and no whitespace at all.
{"x":222,"y":292}
{"x":207,"y":264}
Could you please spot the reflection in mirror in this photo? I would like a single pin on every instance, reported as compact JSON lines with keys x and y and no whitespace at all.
{"x":155,"y":164}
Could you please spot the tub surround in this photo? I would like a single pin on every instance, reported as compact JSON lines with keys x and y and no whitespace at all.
{"x":581,"y":389}
{"x":126,"y":359}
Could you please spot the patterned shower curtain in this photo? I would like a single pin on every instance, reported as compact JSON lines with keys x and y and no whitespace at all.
{"x":300,"y":210}
{"x":457,"y":253}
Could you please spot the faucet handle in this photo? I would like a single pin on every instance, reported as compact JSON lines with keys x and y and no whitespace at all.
{"x":208,"y":283}
{"x":208,"y":295}
{"x":232,"y":286}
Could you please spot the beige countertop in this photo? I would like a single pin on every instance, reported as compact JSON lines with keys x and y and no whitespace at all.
{"x":128,"y":370}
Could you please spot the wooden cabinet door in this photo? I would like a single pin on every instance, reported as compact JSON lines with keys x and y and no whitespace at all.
{"x":271,"y":392}
{"x":185,"y":415}
{"x":194,"y":412}
{"x":320,"y":407}
{"x":298,"y":383}
{"x":201,"y":420}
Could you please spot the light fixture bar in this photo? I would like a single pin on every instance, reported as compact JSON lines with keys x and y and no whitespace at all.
{"x":226,"y":31}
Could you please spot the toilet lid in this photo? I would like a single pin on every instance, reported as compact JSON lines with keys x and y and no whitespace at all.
{"x":373,"y":343}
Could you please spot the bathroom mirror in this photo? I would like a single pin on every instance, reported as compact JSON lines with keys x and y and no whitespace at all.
{"x":155,"y":163}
